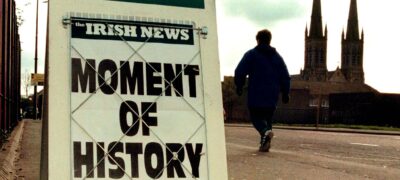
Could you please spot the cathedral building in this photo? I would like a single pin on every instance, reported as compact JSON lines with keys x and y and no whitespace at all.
{"x":315,"y":50}
{"x":315,"y":77}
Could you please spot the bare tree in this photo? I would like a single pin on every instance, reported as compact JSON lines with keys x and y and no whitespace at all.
{"x":26,"y":80}
{"x":19,"y":12}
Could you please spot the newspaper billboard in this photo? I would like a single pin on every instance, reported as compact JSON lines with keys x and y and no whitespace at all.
{"x":134,"y":90}
{"x":136,"y":93}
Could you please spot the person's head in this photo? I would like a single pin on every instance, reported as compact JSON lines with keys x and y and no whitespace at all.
{"x":264,"y":37}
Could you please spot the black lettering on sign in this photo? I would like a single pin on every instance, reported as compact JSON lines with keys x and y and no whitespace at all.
{"x":153,"y":78}
{"x":134,"y":149}
{"x":129,"y":107}
{"x":113,"y":149}
{"x":173,"y":79}
{"x":175,"y":155}
{"x":192,"y":71}
{"x":133,"y":79}
{"x":111,"y":67}
{"x":156,"y":150}
{"x":101,"y":155}
{"x":154,"y":157}
{"x":194,"y":157}
{"x":83,"y":77}
{"x":148,"y":120}
{"x":83,"y":159}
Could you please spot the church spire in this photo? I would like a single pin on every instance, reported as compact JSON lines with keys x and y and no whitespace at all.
{"x":316,"y":20}
{"x":353,"y":48}
{"x":352,"y":23}
{"x":306,"y":32}
{"x":315,"y":68}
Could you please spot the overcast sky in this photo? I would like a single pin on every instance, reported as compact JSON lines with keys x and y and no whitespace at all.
{"x":239,"y":20}
{"x":27,"y":11}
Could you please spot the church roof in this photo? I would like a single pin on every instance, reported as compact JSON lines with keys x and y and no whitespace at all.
{"x":336,"y":76}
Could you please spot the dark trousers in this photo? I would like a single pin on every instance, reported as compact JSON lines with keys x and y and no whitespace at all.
{"x":262,"y":118}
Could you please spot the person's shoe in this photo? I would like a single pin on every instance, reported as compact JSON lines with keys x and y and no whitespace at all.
{"x":265,"y":143}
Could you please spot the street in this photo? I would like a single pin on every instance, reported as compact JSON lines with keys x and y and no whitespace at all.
{"x":312,"y":155}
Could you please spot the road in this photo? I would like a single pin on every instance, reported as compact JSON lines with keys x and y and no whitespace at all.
{"x":297,"y":154}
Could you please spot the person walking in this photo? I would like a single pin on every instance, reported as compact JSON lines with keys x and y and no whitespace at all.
{"x":267,"y":78}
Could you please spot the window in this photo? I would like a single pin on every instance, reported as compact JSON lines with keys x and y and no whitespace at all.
{"x":313,"y":102}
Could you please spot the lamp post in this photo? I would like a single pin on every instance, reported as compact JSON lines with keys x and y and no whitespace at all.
{"x":36,"y":59}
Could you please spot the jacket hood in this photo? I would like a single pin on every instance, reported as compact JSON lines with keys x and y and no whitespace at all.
{"x":265,"y":49}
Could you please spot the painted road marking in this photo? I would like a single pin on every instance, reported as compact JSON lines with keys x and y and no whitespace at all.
{"x":241,"y":146}
{"x":362,"y":144}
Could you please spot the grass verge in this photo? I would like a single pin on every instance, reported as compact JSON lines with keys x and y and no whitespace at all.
{"x":346,"y":126}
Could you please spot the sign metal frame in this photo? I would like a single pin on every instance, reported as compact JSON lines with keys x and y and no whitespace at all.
{"x":59,"y":61}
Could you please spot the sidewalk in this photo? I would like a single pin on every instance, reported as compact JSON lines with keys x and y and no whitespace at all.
{"x":340,"y":130}
{"x":20,"y":156}
{"x":9,"y":152}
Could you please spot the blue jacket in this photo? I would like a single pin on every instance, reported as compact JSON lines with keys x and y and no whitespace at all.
{"x":267,"y":74}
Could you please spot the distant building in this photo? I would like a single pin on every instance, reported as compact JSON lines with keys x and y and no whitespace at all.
{"x":365,"y":108}
{"x":309,"y":100}
{"x":349,"y":78}
{"x":315,"y":58}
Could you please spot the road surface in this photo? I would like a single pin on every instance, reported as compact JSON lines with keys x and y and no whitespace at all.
{"x":295,"y":154}
{"x":312,"y":155}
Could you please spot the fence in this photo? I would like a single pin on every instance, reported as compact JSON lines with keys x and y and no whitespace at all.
{"x":281,"y":115}
{"x":347,"y":108}
{"x":10,"y":65}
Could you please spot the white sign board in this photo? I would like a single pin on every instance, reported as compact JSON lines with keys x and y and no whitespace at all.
{"x":137,"y":93}
{"x":141,"y":96}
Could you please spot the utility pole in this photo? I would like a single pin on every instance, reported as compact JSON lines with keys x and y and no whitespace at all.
{"x":318,"y":109}
{"x":36,"y":60}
